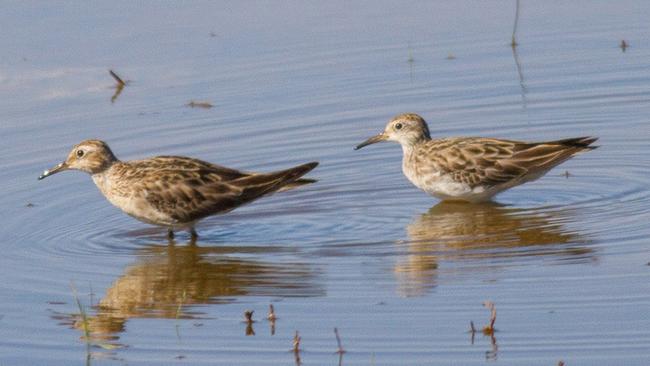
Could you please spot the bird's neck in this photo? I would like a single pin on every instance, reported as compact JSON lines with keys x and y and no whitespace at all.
{"x":102,"y":178}
{"x":408,"y":146}
{"x":103,"y":166}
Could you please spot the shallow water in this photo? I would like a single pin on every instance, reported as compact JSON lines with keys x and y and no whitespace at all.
{"x":563,"y":258}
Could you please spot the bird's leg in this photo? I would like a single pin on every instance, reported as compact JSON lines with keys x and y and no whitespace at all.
{"x":170,"y":233}
{"x":193,"y":234}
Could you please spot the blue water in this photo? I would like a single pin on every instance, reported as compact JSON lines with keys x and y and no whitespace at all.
{"x":563,"y":258}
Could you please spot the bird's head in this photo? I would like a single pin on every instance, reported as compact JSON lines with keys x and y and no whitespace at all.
{"x":90,"y":156}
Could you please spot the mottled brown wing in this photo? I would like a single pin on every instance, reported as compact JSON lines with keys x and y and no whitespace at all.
{"x":491,"y":162}
{"x":187,"y":203}
{"x":188,"y":189}
{"x":198,"y":189}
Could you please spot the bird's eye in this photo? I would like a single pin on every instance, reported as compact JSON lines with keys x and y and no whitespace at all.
{"x":80,"y":153}
{"x":398,"y":126}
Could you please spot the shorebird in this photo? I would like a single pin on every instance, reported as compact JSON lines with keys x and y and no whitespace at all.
{"x":174,"y":191}
{"x":472,"y":169}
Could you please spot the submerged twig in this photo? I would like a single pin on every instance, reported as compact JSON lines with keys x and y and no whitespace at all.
{"x":296,"y":342}
{"x":520,"y":73}
{"x":340,"y":349}
{"x":82,"y":312}
{"x":118,"y":91}
{"x":624,"y":45}
{"x":180,"y":304}
{"x":178,"y":313}
{"x":472,"y":331}
{"x":89,"y":339}
{"x":489,"y":329}
{"x":119,"y":86}
{"x":271,"y":317}
{"x":492,"y":354}
{"x":296,"y":348}
{"x":513,"y":42}
{"x":91,"y":294}
{"x":248,"y":317}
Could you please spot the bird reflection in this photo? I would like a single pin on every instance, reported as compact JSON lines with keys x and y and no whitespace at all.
{"x":166,"y":280}
{"x":455,"y":232}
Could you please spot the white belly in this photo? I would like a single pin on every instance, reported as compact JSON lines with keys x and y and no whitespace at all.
{"x":444,"y":188}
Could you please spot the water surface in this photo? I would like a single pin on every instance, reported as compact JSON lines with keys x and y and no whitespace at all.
{"x":563,"y":258}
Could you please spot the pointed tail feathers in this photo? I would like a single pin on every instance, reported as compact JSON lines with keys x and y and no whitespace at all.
{"x":538,"y":158}
{"x":578,"y":142}
{"x":299,"y":183}
{"x":257,"y":185}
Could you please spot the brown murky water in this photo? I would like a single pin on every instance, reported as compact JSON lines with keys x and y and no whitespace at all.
{"x":564,"y":258}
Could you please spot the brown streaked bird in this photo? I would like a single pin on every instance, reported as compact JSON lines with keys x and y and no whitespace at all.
{"x":174,"y":191}
{"x":472,"y":169}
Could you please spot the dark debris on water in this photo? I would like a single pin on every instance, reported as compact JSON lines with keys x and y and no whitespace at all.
{"x":623,"y":45}
{"x":199,"y":104}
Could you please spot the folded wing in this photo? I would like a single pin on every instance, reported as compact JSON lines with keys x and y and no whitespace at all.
{"x":491,"y":162}
{"x":197,"y":189}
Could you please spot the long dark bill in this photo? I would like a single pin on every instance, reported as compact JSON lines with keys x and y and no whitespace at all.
{"x":57,"y":168}
{"x":377,"y":138}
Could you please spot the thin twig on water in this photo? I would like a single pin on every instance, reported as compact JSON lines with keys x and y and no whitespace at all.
{"x":296,"y":342}
{"x":248,"y":317}
{"x":296,"y":348}
{"x":82,"y":312}
{"x":472,"y":331}
{"x":340,"y":349}
{"x":514,"y":43}
{"x":271,"y":317}
{"x":198,"y":104}
{"x":624,"y":45}
{"x":489,"y":329}
{"x":117,"y":78}
{"x":118,"y":87}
